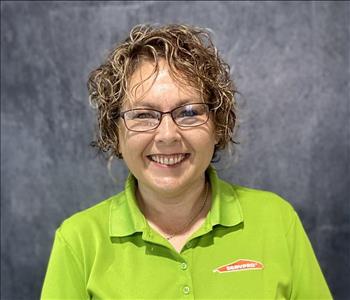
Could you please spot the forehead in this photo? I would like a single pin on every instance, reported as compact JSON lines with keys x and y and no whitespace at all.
{"x":159,"y":87}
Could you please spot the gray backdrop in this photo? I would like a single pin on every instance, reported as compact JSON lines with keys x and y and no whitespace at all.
{"x":289,"y":59}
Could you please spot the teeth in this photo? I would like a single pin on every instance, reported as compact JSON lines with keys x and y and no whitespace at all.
{"x":168,"y":159}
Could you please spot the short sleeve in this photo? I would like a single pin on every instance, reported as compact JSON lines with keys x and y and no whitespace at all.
{"x":308,"y":280}
{"x":64,"y":277}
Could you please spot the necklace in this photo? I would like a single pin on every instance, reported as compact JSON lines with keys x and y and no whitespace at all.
{"x":193,"y":218}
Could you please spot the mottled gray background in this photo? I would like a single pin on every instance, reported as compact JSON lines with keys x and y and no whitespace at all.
{"x":289,"y":59}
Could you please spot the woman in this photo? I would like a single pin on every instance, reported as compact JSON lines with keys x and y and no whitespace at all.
{"x":165,"y":105}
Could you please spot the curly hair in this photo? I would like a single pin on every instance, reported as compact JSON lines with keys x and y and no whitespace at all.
{"x":192,"y":59}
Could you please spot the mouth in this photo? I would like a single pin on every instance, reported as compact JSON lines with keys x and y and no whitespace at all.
{"x":168,"y":159}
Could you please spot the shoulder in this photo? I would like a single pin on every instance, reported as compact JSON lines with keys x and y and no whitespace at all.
{"x":93,"y":221}
{"x":251,"y":201}
{"x":261,"y":199}
{"x":251,"y":197}
{"x":264,"y":208}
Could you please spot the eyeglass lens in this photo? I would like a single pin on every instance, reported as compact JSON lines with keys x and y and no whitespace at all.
{"x":190,"y":115}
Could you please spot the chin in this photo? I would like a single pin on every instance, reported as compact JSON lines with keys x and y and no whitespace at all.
{"x":166,"y":184}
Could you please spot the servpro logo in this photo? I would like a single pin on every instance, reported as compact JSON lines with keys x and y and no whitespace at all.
{"x":240,"y":265}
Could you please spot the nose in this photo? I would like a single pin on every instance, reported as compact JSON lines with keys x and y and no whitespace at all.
{"x":167,"y":131}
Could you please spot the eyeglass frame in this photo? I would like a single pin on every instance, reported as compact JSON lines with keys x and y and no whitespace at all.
{"x":162,"y":113}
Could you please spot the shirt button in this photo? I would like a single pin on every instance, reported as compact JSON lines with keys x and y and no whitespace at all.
{"x":183,"y":266}
{"x":189,"y":244}
{"x":186,"y":290}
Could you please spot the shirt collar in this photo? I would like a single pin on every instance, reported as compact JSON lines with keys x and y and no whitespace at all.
{"x":126,"y":218}
{"x":225,"y":209}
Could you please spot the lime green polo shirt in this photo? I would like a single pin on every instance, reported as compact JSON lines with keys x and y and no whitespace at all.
{"x":252,"y":245}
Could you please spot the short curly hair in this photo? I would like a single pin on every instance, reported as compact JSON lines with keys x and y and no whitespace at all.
{"x":192,"y":59}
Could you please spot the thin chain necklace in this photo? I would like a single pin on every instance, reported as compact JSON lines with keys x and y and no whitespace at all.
{"x":193,"y":218}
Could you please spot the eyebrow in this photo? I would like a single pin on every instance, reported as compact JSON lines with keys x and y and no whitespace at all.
{"x":146,"y":104}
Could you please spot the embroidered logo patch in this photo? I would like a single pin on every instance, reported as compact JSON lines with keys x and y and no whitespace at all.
{"x":240,"y":265}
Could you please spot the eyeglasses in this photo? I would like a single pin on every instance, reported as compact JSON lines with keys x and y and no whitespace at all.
{"x":188,"y":115}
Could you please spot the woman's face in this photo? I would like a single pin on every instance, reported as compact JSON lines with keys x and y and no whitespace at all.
{"x":149,"y":155}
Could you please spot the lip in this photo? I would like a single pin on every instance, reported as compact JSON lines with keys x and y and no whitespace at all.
{"x":166,"y":156}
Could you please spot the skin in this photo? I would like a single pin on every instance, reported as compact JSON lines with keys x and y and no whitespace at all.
{"x":169,"y":196}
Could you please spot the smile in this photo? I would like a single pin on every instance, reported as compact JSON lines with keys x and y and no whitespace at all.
{"x":168,"y":160}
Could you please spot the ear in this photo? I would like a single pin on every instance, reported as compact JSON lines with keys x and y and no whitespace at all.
{"x":216,"y":140}
{"x":119,"y":147}
{"x":119,"y":151}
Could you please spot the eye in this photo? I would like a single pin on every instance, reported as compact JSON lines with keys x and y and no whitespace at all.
{"x":188,"y":112}
{"x":144,"y":114}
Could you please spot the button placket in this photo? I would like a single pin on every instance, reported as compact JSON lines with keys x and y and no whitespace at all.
{"x":183,"y":266}
{"x":186,"y":290}
{"x":187,"y":283}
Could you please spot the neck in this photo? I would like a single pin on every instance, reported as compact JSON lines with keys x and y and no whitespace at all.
{"x":170,"y":213}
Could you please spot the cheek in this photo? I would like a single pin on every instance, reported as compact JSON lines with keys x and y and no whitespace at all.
{"x":205,"y":143}
{"x":132,"y":145}
{"x":125,"y":142}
